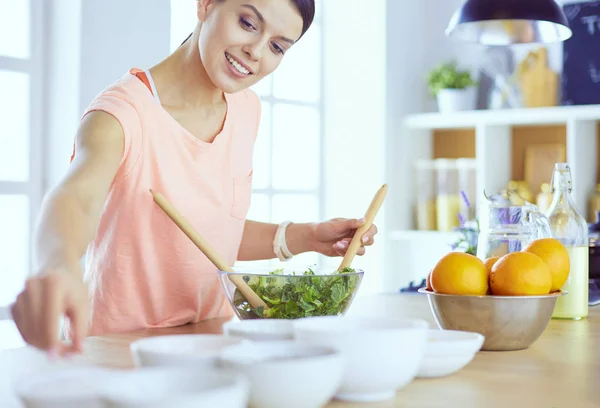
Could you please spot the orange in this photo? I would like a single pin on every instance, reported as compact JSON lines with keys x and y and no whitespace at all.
{"x":556,"y":256}
{"x":520,"y":274}
{"x":459,"y":273}
{"x":429,"y":288}
{"x":490,"y":262}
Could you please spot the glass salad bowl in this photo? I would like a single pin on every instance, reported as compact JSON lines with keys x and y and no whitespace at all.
{"x":292,"y":294}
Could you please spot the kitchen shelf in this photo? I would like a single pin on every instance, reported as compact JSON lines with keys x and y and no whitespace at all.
{"x":525,"y":116}
{"x":497,"y":140}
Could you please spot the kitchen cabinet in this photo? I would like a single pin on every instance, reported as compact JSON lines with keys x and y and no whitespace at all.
{"x":498,"y":141}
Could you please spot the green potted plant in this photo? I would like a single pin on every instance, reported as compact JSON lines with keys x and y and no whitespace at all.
{"x":455,"y":89}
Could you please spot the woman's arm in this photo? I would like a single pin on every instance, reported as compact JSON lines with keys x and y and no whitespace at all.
{"x":67,"y":223}
{"x":257,"y":241}
{"x":330,"y":238}
{"x":71,"y":210}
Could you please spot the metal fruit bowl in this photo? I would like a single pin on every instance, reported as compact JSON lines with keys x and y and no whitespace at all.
{"x":291,"y":296}
{"x":506,"y":322}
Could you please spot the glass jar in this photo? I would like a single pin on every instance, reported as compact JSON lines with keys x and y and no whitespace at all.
{"x":448,"y":195}
{"x":426,"y":195}
{"x":467,"y":185}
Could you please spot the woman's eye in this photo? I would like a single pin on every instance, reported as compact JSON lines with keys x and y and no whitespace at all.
{"x":277,"y":49}
{"x":246,"y":24}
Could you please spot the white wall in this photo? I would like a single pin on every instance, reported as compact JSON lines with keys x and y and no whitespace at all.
{"x":91,"y":44}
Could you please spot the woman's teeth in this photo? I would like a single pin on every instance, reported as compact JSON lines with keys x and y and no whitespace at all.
{"x":237,"y":65}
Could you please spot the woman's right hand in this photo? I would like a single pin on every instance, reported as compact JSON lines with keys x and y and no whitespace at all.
{"x":45,"y":298}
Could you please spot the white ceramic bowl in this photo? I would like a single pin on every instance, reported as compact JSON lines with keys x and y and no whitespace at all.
{"x":382,"y":354}
{"x":72,"y":387}
{"x":178,"y":387}
{"x":95,"y":387}
{"x":19,"y":363}
{"x":449,"y":351}
{"x":260,"y":329}
{"x":286,"y":373}
{"x":196,"y":350}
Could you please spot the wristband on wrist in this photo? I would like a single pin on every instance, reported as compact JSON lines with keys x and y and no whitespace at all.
{"x":279,"y":243}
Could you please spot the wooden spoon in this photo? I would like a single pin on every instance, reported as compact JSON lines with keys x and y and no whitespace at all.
{"x":358,"y":234}
{"x":254,"y":300}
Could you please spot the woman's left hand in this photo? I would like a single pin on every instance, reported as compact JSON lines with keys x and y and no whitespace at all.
{"x":333,"y":237}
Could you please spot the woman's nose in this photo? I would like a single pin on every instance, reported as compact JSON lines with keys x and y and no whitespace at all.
{"x":253,"y":51}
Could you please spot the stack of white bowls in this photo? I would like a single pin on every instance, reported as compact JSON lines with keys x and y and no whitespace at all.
{"x":302,"y":363}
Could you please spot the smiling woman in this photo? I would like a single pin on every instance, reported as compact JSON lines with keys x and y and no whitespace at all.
{"x":184,"y":128}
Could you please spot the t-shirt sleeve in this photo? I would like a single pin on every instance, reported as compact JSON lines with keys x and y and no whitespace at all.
{"x":126,"y":114}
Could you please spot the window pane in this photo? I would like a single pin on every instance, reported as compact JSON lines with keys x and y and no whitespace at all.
{"x":183,"y":20}
{"x":261,"y":176}
{"x":14,"y":126}
{"x":260,"y":209}
{"x":299,"y":75}
{"x":14,"y":246}
{"x":295,"y":207}
{"x":14,"y":28}
{"x":296,"y":147}
{"x":263,"y":87}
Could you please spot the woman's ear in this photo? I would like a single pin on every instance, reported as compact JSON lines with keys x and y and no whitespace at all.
{"x":203,"y":7}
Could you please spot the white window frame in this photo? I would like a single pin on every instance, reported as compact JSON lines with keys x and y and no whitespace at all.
{"x":34,"y":66}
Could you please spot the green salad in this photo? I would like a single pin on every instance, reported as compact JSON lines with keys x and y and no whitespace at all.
{"x":292,"y":296}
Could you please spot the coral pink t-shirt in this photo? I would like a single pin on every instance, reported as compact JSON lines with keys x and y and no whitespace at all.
{"x":143,"y":271}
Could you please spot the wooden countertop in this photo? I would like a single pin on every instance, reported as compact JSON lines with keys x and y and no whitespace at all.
{"x":560,"y":370}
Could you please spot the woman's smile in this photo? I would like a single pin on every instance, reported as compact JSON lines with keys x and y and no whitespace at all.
{"x":237,"y":67}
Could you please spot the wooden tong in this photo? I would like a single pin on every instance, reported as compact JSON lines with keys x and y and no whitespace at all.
{"x":358,"y":234}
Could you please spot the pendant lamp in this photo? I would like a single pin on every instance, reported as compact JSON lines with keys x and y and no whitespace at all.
{"x":507,"y":22}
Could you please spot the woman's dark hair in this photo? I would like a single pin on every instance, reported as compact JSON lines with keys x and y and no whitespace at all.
{"x":306,"y":8}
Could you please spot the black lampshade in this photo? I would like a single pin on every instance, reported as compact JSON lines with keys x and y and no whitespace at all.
{"x":506,"y":22}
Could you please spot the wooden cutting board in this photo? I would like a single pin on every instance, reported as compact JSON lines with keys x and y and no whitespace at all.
{"x":539,"y":84}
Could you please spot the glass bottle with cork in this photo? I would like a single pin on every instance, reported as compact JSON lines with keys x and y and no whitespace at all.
{"x":570,"y":227}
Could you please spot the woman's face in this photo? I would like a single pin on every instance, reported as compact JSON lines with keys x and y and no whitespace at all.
{"x":242,"y":41}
